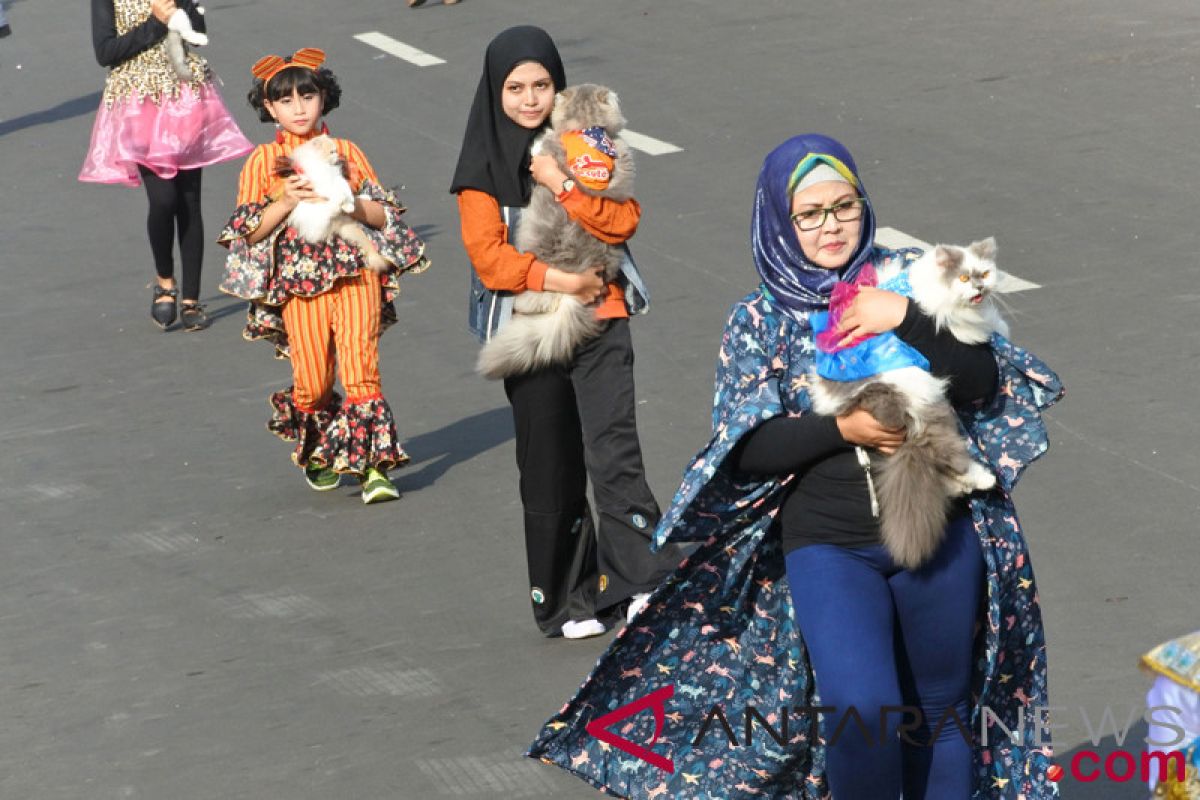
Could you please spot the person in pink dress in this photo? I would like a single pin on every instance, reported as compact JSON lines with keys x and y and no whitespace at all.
{"x":160,"y":129}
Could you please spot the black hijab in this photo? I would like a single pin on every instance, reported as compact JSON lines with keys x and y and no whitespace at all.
{"x":495,"y":150}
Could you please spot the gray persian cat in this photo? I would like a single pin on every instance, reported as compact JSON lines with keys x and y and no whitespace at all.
{"x":547,"y":327}
{"x":953,"y":285}
{"x":179,"y":31}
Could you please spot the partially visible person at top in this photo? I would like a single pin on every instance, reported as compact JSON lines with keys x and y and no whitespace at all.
{"x":577,"y":422}
{"x":159,"y":130}
{"x":792,"y":601}
{"x":320,"y":304}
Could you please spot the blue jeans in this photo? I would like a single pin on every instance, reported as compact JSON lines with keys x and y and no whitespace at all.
{"x":877,"y":636}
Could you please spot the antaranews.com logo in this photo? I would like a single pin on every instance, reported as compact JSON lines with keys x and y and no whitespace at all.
{"x":1086,"y":766}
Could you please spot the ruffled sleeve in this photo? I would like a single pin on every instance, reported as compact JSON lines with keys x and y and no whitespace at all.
{"x":396,"y":241}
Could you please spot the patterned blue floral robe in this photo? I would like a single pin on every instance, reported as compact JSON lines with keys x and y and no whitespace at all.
{"x":721,"y":629}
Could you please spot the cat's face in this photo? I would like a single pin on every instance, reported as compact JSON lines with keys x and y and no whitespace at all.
{"x":586,"y":106}
{"x":325,"y":147}
{"x":527,"y":95}
{"x":968,"y":273}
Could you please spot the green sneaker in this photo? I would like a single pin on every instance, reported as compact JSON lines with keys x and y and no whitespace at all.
{"x":376,"y":488}
{"x":322,"y":479}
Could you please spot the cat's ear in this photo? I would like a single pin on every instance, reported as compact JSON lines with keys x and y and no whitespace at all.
{"x":948,"y":258}
{"x":614,"y":101}
{"x":985,"y":249}
{"x":566,"y":94}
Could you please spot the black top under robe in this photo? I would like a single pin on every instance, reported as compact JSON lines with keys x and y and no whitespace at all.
{"x":829,"y":502}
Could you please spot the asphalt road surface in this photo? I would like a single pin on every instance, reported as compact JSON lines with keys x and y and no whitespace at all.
{"x":182,"y":618}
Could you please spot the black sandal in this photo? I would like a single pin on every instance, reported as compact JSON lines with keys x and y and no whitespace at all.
{"x":163,"y":312}
{"x":193,"y":316}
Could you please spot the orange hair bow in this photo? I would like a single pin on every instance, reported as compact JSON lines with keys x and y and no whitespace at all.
{"x":268,"y":67}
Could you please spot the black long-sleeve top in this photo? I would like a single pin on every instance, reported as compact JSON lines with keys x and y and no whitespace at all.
{"x":829,"y":502}
{"x":113,"y":49}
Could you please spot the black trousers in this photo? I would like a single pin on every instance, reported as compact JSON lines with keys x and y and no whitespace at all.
{"x":572,"y":423}
{"x":175,"y":204}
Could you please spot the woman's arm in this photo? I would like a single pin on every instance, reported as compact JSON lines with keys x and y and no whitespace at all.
{"x":113,"y":50}
{"x":500,"y":266}
{"x":971,"y":368}
{"x":610,"y":221}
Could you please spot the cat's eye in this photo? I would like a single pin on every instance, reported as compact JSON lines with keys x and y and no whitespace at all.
{"x":987,"y":273}
{"x":963,"y":278}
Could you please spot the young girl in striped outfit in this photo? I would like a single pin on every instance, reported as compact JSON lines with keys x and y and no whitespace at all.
{"x":319,"y":303}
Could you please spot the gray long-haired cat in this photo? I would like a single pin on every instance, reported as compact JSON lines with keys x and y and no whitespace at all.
{"x":179,"y":31}
{"x":547,"y":327}
{"x":953,"y":285}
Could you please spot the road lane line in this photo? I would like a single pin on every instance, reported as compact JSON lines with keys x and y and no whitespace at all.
{"x":648,"y":144}
{"x":399,"y":49}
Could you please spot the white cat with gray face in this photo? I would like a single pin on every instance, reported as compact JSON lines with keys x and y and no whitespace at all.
{"x":955,"y":286}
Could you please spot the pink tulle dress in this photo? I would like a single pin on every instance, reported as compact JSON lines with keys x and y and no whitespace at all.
{"x":149,"y":116}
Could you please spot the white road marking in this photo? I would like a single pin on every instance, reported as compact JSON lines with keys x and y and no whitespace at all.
{"x":648,"y":144}
{"x":890,"y":237}
{"x":399,"y":49}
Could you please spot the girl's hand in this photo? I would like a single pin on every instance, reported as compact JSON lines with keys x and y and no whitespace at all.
{"x":872,"y":311}
{"x":297,"y":189}
{"x":858,"y":427}
{"x":592,"y":287}
{"x":162,"y":9}
{"x":546,"y":172}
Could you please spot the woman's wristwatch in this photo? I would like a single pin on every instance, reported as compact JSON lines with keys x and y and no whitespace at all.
{"x":567,"y":186}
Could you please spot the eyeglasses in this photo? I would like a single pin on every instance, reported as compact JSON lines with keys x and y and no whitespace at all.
{"x":846,"y":211}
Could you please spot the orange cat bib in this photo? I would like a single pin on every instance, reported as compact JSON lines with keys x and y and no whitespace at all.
{"x":591,"y":156}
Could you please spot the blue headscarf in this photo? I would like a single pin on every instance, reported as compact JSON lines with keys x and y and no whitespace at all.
{"x":796,"y":284}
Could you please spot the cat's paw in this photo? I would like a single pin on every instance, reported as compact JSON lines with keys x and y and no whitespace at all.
{"x":979,"y":478}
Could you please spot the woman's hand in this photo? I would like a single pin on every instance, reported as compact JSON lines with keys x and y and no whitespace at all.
{"x":858,"y":427}
{"x":872,"y":311}
{"x":297,"y":189}
{"x":587,"y":287}
{"x":546,"y":172}
{"x":162,"y":9}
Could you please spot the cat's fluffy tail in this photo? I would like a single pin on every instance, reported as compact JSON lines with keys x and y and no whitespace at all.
{"x":532,"y":341}
{"x":913,"y":504}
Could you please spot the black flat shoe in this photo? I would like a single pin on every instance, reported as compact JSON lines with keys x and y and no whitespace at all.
{"x":193,"y":317}
{"x":163,"y":311}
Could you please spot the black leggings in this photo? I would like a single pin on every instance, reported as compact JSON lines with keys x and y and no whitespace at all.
{"x":176,"y":201}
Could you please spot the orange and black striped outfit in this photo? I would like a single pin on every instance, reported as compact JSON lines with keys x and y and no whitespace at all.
{"x":325,"y":309}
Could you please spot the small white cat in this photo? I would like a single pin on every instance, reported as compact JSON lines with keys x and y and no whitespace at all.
{"x":318,"y":161}
{"x":954,"y":286}
{"x":179,"y":31}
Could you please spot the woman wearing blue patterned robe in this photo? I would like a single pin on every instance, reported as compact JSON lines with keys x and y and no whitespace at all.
{"x":719,"y":647}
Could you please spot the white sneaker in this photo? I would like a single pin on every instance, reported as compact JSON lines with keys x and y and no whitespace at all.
{"x":582,"y":629}
{"x":636,"y":604}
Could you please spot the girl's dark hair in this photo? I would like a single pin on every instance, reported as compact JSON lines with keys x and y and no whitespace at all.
{"x":301,"y":79}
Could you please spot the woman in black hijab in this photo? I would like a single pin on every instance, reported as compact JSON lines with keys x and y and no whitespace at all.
{"x":575,"y":421}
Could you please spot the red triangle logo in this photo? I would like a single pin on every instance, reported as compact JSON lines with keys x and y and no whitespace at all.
{"x":657,"y":700}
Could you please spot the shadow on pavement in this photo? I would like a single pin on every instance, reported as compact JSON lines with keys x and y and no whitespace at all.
{"x":438,"y":451}
{"x":66,"y":110}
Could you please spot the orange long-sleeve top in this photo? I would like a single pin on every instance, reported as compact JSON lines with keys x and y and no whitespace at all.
{"x":258,"y":174}
{"x":501,"y":267}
